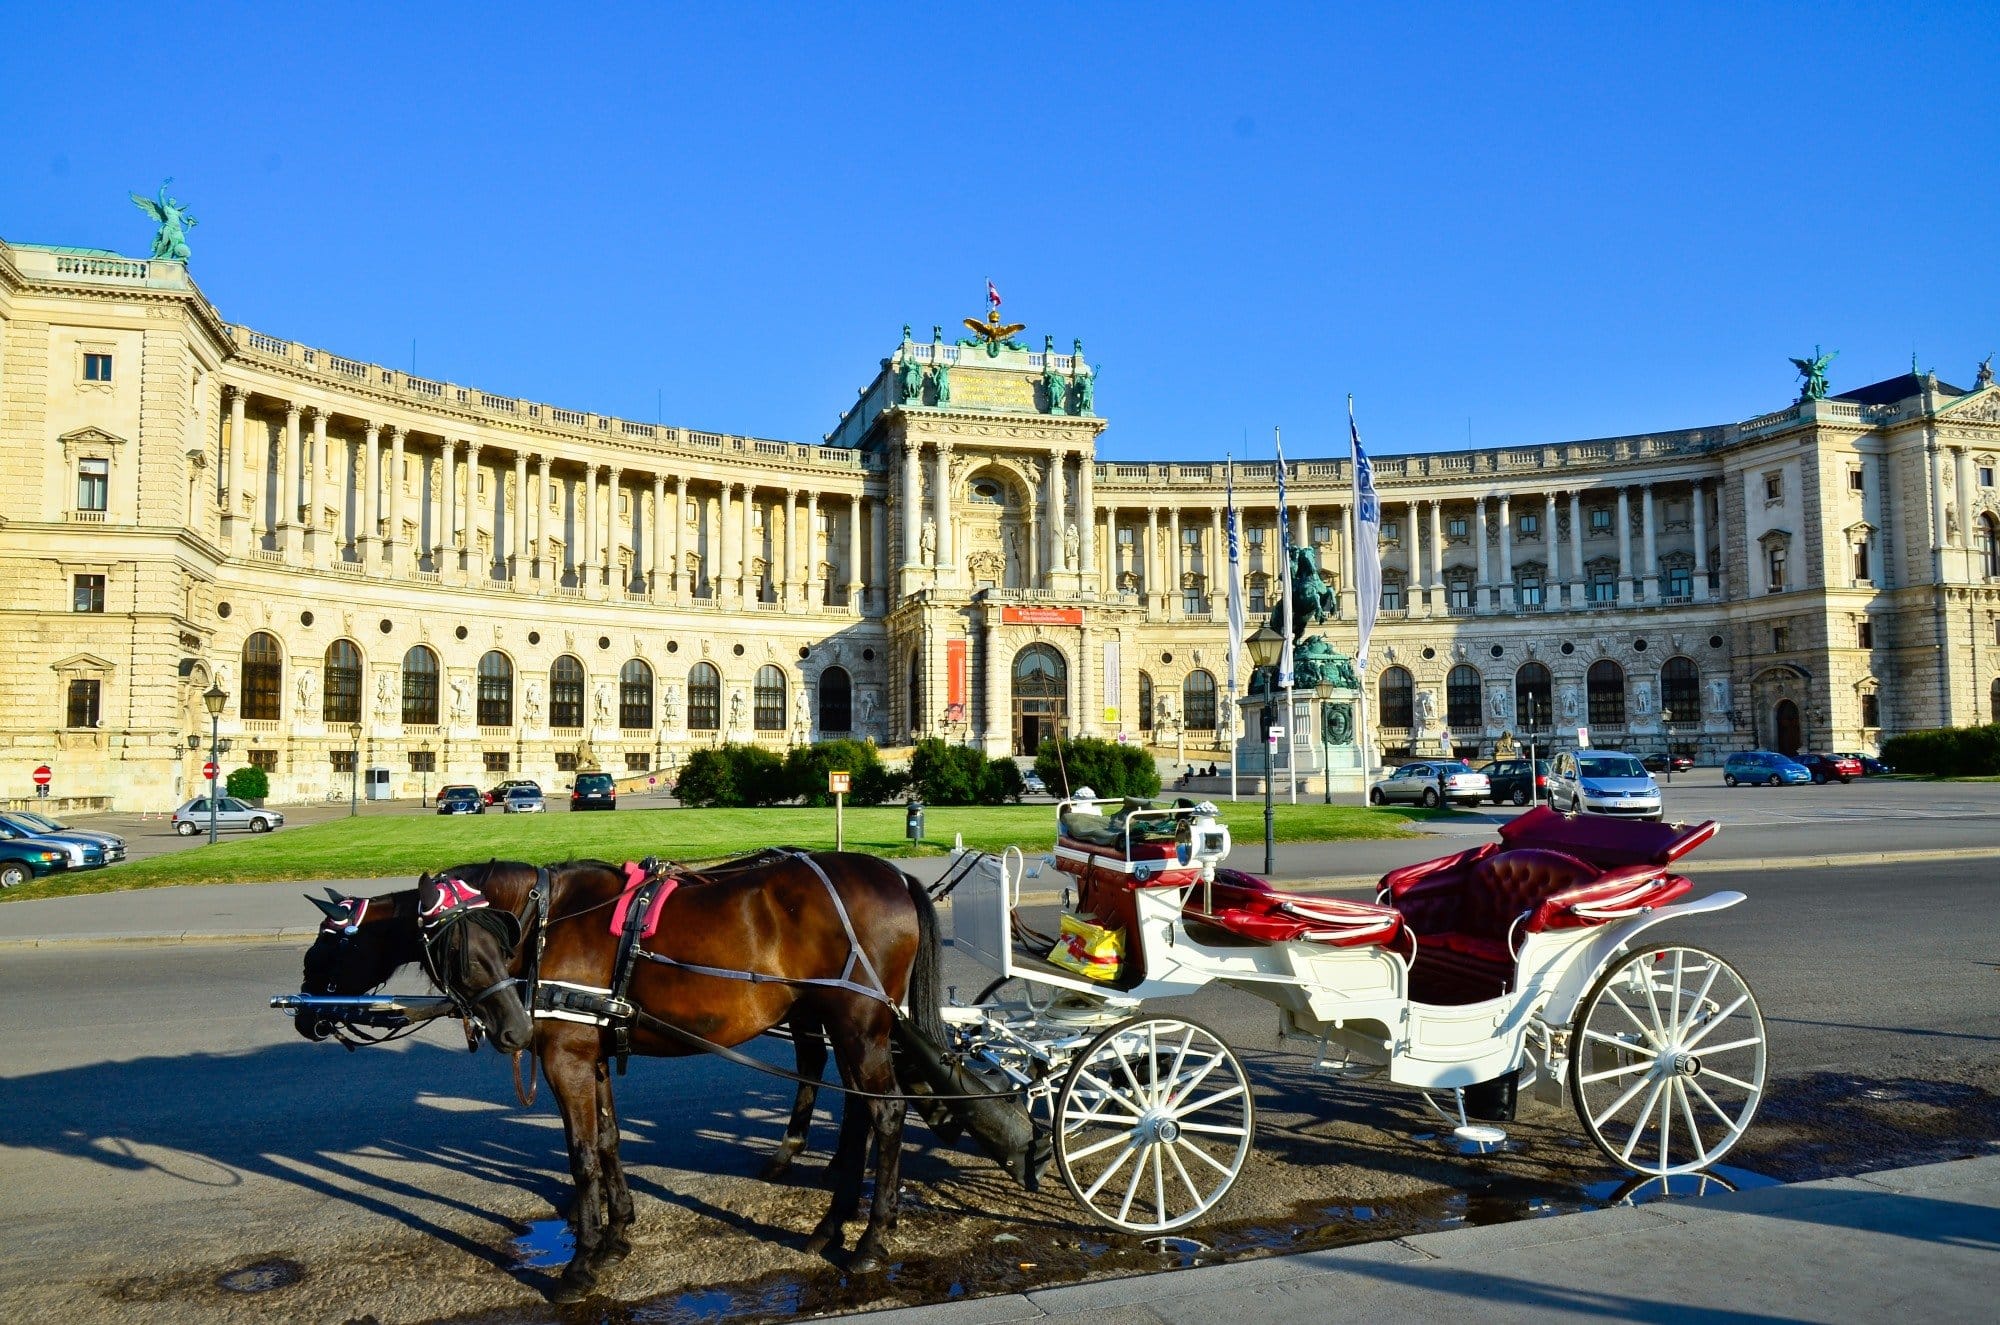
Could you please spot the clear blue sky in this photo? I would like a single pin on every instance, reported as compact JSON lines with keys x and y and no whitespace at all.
{"x":1551,"y":223}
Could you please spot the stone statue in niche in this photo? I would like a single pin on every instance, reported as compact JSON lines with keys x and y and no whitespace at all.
{"x":1071,"y":542}
{"x":1572,"y":704}
{"x":1718,"y":695}
{"x":1642,"y":698}
{"x":308,"y":693}
{"x":1499,"y":703}
{"x":604,"y":713}
{"x":385,"y":695}
{"x":1426,"y":712}
{"x":735,"y":709}
{"x":461,"y":699}
{"x":532,"y":702}
{"x":801,"y":709}
{"x":927,"y":542}
{"x":867,"y":710}
{"x":670,"y":705}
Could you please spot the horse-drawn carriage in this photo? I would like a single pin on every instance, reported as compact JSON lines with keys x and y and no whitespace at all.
{"x":1524,"y":964}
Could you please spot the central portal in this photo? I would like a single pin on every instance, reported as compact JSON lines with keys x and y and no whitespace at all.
{"x":1041,"y":697}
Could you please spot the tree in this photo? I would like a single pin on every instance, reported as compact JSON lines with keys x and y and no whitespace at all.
{"x":706,"y":780}
{"x":947,"y":774}
{"x":1106,"y":767}
{"x":248,"y":783}
{"x":806,"y":767}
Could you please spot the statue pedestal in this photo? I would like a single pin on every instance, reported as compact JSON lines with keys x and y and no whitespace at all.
{"x":1308,"y":752}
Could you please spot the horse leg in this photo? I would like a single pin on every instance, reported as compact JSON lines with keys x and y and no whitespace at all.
{"x":617,"y":1197}
{"x":846,"y":1171}
{"x":570,"y":1063}
{"x":810,"y":1045}
{"x":862,"y":1051}
{"x":879,"y":1075}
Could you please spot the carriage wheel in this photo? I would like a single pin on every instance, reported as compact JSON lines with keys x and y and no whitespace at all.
{"x":1154,"y":1123}
{"x":1667,"y":1061}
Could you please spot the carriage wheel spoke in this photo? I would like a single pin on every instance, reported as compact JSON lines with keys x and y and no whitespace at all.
{"x":1110,"y":1093}
{"x":1626,"y":1045}
{"x":1717,"y":1109}
{"x":1174,"y":1154}
{"x":1619,"y":1003}
{"x":1097,"y":1147}
{"x":1701,"y":999}
{"x":1202,"y":1155}
{"x":1618,"y":1104}
{"x":1610,"y":1073}
{"x":1111,"y":1169}
{"x":1687,"y":1117}
{"x":1716,"y":1021}
{"x":1714,"y":1049}
{"x":1228,"y":1093}
{"x":1666,"y":1124}
{"x":1708,"y":1071}
{"x":1159,"y":1183}
{"x":1639,"y":1123}
{"x":1215,"y":1129}
{"x":1652,"y":1004}
{"x":1132,"y":1186}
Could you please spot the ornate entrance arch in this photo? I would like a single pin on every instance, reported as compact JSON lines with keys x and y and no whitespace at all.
{"x":1041,"y":696}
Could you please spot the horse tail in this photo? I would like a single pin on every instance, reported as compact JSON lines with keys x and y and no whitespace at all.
{"x":927,"y":972}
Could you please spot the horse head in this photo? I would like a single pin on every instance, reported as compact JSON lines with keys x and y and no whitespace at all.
{"x":361,"y":942}
{"x":468,"y":946}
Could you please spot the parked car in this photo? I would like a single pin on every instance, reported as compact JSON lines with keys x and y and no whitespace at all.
{"x":22,"y":860}
{"x":1514,"y":783}
{"x":114,"y":845}
{"x":496,"y":795}
{"x":230,"y":814}
{"x":525,"y":798}
{"x":1763,"y":768}
{"x":1032,"y":784}
{"x":594,"y":791}
{"x":1608,"y":782}
{"x":1668,"y":763}
{"x":1417,"y":784}
{"x":460,"y":798}
{"x":84,"y":852}
{"x":1870,"y":765}
{"x":1831,"y":768}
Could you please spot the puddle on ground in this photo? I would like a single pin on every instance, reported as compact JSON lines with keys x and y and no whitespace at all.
{"x":262,"y":1277}
{"x":547,"y":1245}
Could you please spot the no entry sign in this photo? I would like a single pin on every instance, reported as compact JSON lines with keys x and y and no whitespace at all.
{"x":43,"y":776}
{"x":208,"y":769}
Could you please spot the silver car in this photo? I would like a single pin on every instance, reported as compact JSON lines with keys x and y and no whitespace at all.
{"x":1431,"y":782}
{"x":523,"y":800}
{"x":1603,"y":782}
{"x":230,"y":813}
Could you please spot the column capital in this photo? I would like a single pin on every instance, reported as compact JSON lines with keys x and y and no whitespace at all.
{"x":231,"y":393}
{"x":397,"y":432}
{"x":372,"y":428}
{"x":319,"y":414}
{"x":293,"y":410}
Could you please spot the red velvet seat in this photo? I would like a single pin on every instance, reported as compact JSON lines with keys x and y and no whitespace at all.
{"x":1246,"y":905}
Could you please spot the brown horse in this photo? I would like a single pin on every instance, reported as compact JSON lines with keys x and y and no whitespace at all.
{"x":474,"y":926}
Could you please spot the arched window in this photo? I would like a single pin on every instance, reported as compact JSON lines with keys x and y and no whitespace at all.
{"x":420,"y":687}
{"x":915,"y":694}
{"x":566,"y":693}
{"x":263,"y":678}
{"x":1531,"y":698}
{"x":1396,"y":693}
{"x":496,"y":690}
{"x":635,"y":697}
{"x":1989,"y":545}
{"x":341,"y":704}
{"x":704,"y":698}
{"x":1145,"y":701}
{"x":770,"y":699}
{"x":1680,"y":690}
{"x":1464,"y":699}
{"x":1198,"y":700}
{"x":836,"y":700}
{"x":1605,"y":683}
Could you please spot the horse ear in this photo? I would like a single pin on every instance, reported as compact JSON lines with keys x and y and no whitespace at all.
{"x":335,"y":896}
{"x":331,"y":910}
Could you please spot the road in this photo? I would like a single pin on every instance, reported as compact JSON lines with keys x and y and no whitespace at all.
{"x":163,"y":1128}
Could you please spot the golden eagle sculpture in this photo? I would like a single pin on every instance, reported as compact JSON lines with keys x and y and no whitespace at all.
{"x":993,"y":333}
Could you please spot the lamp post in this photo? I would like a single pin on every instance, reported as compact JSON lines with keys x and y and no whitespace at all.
{"x":213,"y":699}
{"x":424,"y":772}
{"x":1265,"y":644}
{"x":354,"y":772}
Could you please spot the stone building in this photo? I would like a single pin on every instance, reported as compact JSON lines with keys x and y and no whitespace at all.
{"x":389,"y":572}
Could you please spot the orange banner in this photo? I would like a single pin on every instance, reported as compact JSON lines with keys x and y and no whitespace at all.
{"x":954,"y":671}
{"x":1041,"y":616}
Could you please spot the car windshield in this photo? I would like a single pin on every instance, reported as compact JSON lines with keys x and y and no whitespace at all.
{"x":40,"y":821}
{"x":1610,"y":766}
{"x":522,"y":794}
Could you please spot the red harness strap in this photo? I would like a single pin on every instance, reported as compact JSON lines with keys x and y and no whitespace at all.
{"x":635,"y":879}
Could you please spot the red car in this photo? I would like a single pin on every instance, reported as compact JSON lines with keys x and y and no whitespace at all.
{"x":1831,"y":768}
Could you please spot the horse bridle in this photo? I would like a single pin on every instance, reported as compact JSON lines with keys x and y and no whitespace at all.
{"x":455,"y":904}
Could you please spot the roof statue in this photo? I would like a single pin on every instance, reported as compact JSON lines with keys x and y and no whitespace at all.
{"x":1314,"y":661}
{"x":1984,"y":377}
{"x":1813,"y":370}
{"x":170,"y":240}
{"x":994,"y":334}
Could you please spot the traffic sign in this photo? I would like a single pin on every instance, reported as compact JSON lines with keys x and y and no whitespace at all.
{"x":43,"y":776}
{"x":208,"y":769}
{"x":839,"y":782}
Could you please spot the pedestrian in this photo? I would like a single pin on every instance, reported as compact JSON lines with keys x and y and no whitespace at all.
{"x":1441,"y":785}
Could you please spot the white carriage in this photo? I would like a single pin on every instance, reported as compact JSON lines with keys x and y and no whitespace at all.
{"x":1522,"y":965}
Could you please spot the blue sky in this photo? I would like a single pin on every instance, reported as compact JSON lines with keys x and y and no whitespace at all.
{"x":1504,"y":223}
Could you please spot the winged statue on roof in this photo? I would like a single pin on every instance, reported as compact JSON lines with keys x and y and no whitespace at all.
{"x":1813,"y":370}
{"x":174,"y":220}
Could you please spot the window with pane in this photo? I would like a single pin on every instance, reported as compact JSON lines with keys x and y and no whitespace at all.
{"x":1986,"y":476}
{"x":1396,"y":696}
{"x":566,"y":692}
{"x":1257,"y":594}
{"x":423,"y":761}
{"x":1192,"y":601}
{"x":420,"y":688}
{"x":93,"y":484}
{"x":1605,"y":687}
{"x":836,"y":700}
{"x":1680,"y":582}
{"x":637,"y":761}
{"x":83,"y":703}
{"x":97,"y":368}
{"x":1392,"y":593}
{"x":343,"y":760}
{"x":1531,"y":525}
{"x":1989,"y":545}
{"x":264,"y":759}
{"x":704,"y":698}
{"x":496,"y":761}
{"x":565,"y":761}
{"x":1532,"y":697}
{"x":1600,"y":519}
{"x":1145,"y":701}
{"x":87,"y":593}
{"x":1392,"y":531}
{"x":1256,"y":533}
{"x":496,"y":692}
{"x":1459,"y":594}
{"x":1456,"y":527}
{"x":1775,"y":567}
{"x":1603,"y":587}
{"x":1864,"y":634}
{"x":1855,"y":482}
{"x":769,"y":697}
{"x":1531,"y":589}
{"x":1463,"y":697}
{"x":635,"y":696}
{"x":1198,"y":700}
{"x":341,"y":702}
{"x":263,"y":678}
{"x":1871,"y":706}
{"x":1680,"y":690}
{"x":1781,"y":639}
{"x":1861,"y":559}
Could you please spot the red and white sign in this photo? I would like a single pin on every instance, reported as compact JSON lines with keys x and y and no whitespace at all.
{"x":208,"y":769}
{"x":43,"y":776}
{"x":1041,"y":616}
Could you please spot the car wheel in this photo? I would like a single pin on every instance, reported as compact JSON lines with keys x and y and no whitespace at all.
{"x":1775,"y":781}
{"x":1430,"y":798}
{"x":1375,"y":796}
{"x":260,"y":825}
{"x":186,"y":828}
{"x":1845,"y":779}
{"x":14,"y":873}
{"x":1520,"y":795}
{"x":1728,"y":779}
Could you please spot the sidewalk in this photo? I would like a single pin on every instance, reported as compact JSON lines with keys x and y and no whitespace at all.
{"x":1903,"y":1244}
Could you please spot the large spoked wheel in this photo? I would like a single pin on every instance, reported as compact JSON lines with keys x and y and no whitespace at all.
{"x":1667,"y":1061}
{"x":1154,"y":1123}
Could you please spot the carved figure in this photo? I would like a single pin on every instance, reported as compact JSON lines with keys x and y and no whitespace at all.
{"x":1225,"y":713}
{"x":801,"y":710}
{"x":1426,"y":709}
{"x":220,"y":674}
{"x":1572,"y":704}
{"x":867,"y":710}
{"x":308,"y":691}
{"x":1813,"y":370}
{"x":1058,"y":390}
{"x":1086,"y":393}
{"x":909,"y":382}
{"x":170,"y":240}
{"x":735,"y":709}
{"x":1338,"y":724}
{"x":927,"y":542}
{"x":385,"y":694}
{"x":1163,"y":709}
{"x":941,"y":378}
{"x":1642,"y":698}
{"x":670,"y":705}
{"x":1499,"y":703}
{"x":603,"y":703}
{"x":1984,"y":377}
{"x":532,"y":703}
{"x":1071,"y":542}
{"x":1718,"y":695}
{"x":461,"y":699}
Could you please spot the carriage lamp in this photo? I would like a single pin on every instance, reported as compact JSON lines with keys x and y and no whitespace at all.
{"x":1265,"y":644}
{"x":213,"y":700}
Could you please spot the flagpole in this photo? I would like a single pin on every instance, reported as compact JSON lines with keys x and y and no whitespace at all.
{"x":1366,"y":574}
{"x":1286,"y":672}
{"x":1234,"y":612}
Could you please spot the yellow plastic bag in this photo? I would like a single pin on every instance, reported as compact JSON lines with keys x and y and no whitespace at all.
{"x":1090,"y":950}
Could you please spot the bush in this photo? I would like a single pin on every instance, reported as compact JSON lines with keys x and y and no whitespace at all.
{"x":1946,"y":752}
{"x":1003,"y":783}
{"x":706,"y":781}
{"x":732,"y":776}
{"x":1106,"y":767}
{"x":945,"y":774}
{"x":806,"y":767}
{"x":248,"y":783}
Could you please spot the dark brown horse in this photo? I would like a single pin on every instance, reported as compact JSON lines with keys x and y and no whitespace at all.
{"x":474,"y":927}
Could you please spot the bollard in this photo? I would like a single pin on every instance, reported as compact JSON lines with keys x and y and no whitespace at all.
{"x":913,"y":821}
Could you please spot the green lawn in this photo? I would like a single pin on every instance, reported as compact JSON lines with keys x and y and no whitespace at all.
{"x":377,"y":846}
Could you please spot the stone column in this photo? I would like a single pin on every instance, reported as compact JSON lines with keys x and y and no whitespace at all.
{"x":1150,"y":576}
{"x":1413,"y":547}
{"x":679,"y":577}
{"x":1625,"y":546}
{"x":1086,"y":515}
{"x":1437,"y":555}
{"x":1962,"y":480}
{"x":853,"y":567}
{"x":1482,"y":590}
{"x":519,"y":548}
{"x":446,"y":502}
{"x":543,"y":570}
{"x":586,"y":570}
{"x":748,"y":586}
{"x":1052,"y":519}
{"x":315,"y":459}
{"x":720,"y":545}
{"x":999,"y":719}
{"x":613,"y":522}
{"x":1722,"y":536}
{"x":1111,"y":548}
{"x":941,"y":507}
{"x":878,"y":545}
{"x":913,"y":516}
{"x":1698,"y":498}
{"x":232,"y":500}
{"x":1576,"y":590}
{"x":392,"y":533}
{"x":1940,"y":529}
{"x":1215,"y":565}
{"x":809,"y":536}
{"x":656,"y":539}
{"x":788,"y":592}
{"x":1176,"y":562}
{"x":371,"y":494}
{"x":1507,"y":600}
{"x":1348,"y":604}
{"x":1552,"y":578}
{"x":1651,"y":570}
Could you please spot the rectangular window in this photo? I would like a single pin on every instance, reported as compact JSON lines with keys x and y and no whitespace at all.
{"x":1774,"y":487}
{"x":1322,"y":533}
{"x":343,"y":761}
{"x":1986,"y":476}
{"x":496,"y":761}
{"x":264,"y":759}
{"x":93,"y":484}
{"x":423,"y":761}
{"x":1776,"y":567}
{"x":1603,"y":588}
{"x":1192,"y":603}
{"x":1256,"y":600}
{"x":87,"y":593}
{"x":1125,"y":538}
{"x":1855,"y":482}
{"x":1256,"y":536}
{"x":1531,"y":591}
{"x":1392,"y":596}
{"x":97,"y":368}
{"x":1460,"y":595}
{"x":83,"y":696}
{"x":1456,"y":527}
{"x":1864,"y":635}
{"x":565,"y":761}
{"x":1680,"y":582}
{"x":1191,"y":537}
{"x":1871,"y":710}
{"x":1392,"y":531}
{"x":1861,"y":560}
{"x":1781,"y":639}
{"x":638,"y":763}
{"x":1600,"y":519}
{"x":1530,"y":525}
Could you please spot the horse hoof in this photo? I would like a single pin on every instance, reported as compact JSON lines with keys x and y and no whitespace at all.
{"x":776,"y":1169}
{"x":576,"y":1284}
{"x":616,"y":1249}
{"x":864,"y":1262}
{"x":817,"y":1244}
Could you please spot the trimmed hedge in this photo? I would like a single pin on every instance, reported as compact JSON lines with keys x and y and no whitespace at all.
{"x":945,"y":774}
{"x":806,"y":767}
{"x":732,"y":775}
{"x":1946,"y":752}
{"x":248,"y":783}
{"x":1106,"y":767}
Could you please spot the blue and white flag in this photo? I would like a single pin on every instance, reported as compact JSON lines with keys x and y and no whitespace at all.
{"x":1285,"y":566}
{"x":1367,"y":540}
{"x":1235,"y":575}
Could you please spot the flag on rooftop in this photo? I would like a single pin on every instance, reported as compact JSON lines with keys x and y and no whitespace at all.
{"x":1367,"y":539}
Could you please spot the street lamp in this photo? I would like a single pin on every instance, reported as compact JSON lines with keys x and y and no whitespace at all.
{"x":424,"y":770}
{"x":1265,"y":644}
{"x":354,"y":773}
{"x":213,"y":699}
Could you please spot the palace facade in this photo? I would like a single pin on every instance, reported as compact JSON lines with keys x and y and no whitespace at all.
{"x":388,"y":572}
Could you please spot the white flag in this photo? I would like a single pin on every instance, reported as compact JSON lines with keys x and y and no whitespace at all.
{"x":1285,"y":565}
{"x":1367,"y":540}
{"x":1235,"y":576}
